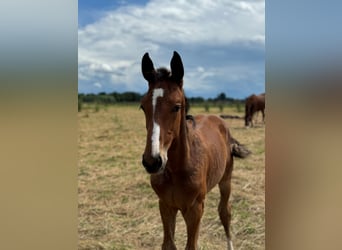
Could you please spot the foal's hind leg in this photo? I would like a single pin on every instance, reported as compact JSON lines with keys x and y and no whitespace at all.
{"x":224,"y":208}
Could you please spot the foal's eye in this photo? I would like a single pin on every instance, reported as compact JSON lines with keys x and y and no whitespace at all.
{"x":141,"y":107}
{"x":176,"y":108}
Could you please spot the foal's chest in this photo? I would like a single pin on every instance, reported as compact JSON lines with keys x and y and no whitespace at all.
{"x":178,"y":192}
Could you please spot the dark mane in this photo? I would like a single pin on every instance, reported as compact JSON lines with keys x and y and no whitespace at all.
{"x":189,"y":117}
{"x":187,"y":105}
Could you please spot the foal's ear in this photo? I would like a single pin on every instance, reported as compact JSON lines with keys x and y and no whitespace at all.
{"x":147,"y":68}
{"x":177,"y":69}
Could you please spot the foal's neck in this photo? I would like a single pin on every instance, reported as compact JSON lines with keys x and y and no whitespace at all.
{"x":179,"y":151}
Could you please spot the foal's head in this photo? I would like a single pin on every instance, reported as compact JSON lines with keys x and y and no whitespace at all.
{"x":164,"y":107}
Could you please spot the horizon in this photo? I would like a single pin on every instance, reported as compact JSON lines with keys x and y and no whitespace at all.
{"x":187,"y":96}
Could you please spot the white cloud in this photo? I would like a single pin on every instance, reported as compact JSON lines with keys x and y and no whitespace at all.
{"x":98,"y":85}
{"x":112,"y":47}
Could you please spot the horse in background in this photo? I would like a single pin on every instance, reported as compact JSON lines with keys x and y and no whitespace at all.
{"x":186,"y":156}
{"x":253,"y":104}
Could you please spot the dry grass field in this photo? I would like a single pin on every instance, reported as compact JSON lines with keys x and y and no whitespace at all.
{"x":119,"y":210}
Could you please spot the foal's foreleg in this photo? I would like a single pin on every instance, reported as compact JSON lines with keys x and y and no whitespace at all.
{"x":192,"y":219}
{"x":168,"y":216}
{"x":224,"y":208}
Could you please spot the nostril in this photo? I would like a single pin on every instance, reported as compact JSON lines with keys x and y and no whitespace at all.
{"x":154,"y":165}
{"x":159,"y":161}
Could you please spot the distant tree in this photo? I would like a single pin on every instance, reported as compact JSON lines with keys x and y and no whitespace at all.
{"x":221,"y":97}
{"x":196,"y":99}
{"x":106,"y":99}
{"x":110,"y":98}
{"x":131,"y":97}
{"x":116,"y":96}
{"x":88,"y":98}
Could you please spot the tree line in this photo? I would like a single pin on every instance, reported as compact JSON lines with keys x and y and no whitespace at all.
{"x":132,"y":97}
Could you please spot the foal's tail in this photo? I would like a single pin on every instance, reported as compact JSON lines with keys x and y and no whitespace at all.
{"x":237,"y":149}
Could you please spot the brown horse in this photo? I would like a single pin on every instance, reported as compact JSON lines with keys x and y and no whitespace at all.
{"x":186,"y":156}
{"x":254,"y":103}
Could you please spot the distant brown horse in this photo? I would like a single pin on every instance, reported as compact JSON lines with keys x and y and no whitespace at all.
{"x":254,"y":103}
{"x":186,"y":156}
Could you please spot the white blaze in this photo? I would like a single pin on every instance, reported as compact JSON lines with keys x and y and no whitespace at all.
{"x":155,"y":139}
{"x":156,"y":93}
{"x":156,"y":128}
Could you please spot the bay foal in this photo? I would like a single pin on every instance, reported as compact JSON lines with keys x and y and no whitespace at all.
{"x":186,"y":156}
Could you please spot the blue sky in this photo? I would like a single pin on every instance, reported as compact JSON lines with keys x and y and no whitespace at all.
{"x":222,"y":44}
{"x":90,"y":11}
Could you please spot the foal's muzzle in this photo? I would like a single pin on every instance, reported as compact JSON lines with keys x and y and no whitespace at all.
{"x":152,"y":165}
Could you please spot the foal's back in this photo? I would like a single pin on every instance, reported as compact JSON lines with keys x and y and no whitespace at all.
{"x":209,"y":142}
